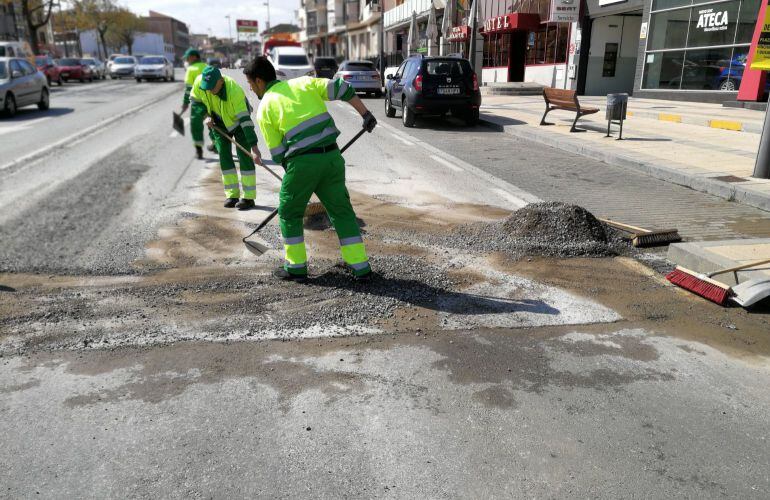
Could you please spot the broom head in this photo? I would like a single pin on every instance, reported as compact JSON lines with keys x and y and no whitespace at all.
{"x":700,"y":285}
{"x":656,"y":238}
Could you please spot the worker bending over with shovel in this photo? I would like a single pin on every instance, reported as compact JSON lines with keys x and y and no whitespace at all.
{"x":198,"y":112}
{"x":229,"y":113}
{"x":302,"y":137}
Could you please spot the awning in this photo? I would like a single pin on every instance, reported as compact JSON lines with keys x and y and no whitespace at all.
{"x":511,"y":22}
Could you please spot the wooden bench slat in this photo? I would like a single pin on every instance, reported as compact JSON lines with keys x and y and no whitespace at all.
{"x":565,"y":100}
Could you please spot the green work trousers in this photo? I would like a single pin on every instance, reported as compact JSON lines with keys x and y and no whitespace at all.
{"x":247,"y":188}
{"x":197,"y":115}
{"x":324,"y":175}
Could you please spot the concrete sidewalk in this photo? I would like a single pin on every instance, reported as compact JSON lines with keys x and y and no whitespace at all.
{"x":715,"y":160}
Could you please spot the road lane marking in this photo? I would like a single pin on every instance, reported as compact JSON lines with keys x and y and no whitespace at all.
{"x":81,"y":135}
{"x":18,"y":126}
{"x":508,"y":196}
{"x":405,"y":141}
{"x":450,"y":166}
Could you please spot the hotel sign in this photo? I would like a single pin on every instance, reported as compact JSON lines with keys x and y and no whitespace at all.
{"x":499,"y":23}
{"x":564,"y":11}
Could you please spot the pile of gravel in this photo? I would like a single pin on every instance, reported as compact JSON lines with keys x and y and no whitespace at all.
{"x":550,"y":229}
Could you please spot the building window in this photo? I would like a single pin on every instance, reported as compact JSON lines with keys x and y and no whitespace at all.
{"x":698,"y":47}
{"x":496,"y":49}
{"x":548,"y":45}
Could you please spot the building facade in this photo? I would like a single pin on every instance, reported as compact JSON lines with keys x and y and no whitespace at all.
{"x":174,"y":32}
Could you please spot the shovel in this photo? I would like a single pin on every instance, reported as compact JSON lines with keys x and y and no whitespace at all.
{"x":259,"y":249}
{"x":178,"y":123}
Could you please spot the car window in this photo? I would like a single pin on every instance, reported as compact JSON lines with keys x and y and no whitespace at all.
{"x":324,"y":63}
{"x":90,"y":62}
{"x":27,"y":68}
{"x":292,"y":60}
{"x":125,"y":60}
{"x":400,"y":70}
{"x":359,"y":66}
{"x":3,"y":71}
{"x":3,"y":52}
{"x":15,"y":66}
{"x":411,"y":66}
{"x":152,"y":60}
{"x":447,"y":68}
{"x":70,"y":62}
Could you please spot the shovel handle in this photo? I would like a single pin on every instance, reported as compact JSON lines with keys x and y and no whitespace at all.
{"x":221,"y":132}
{"x":738,"y":268}
{"x":262,"y":224}
{"x":351,"y":141}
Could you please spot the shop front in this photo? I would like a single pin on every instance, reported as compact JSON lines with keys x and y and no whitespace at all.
{"x":695,"y":49}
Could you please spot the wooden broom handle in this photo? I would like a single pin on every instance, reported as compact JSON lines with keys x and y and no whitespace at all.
{"x":246,"y":151}
{"x":738,"y":268}
{"x":625,"y":227}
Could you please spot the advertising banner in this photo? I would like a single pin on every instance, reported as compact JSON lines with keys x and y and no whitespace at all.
{"x":564,"y":11}
{"x":761,"y":58}
{"x":246,"y":26}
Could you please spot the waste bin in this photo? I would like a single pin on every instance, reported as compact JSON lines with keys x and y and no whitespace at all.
{"x":616,"y":106}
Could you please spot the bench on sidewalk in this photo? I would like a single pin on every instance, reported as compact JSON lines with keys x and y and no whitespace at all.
{"x":566,"y":100}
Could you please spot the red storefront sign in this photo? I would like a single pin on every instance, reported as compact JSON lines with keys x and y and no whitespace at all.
{"x":512,"y":22}
{"x":246,"y":26}
{"x":458,"y":34}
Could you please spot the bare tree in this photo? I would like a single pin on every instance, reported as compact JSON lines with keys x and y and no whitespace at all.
{"x":98,"y":15}
{"x":36,"y":14}
{"x":126,"y":26}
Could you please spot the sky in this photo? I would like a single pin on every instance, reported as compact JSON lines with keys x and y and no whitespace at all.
{"x":209,"y":16}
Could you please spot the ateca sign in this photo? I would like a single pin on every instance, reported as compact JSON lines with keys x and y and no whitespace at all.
{"x":564,"y":11}
{"x":246,"y":26}
{"x":710,"y":20}
{"x":761,"y":58}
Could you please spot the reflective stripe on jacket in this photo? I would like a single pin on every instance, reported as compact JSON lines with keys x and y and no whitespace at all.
{"x":230,"y":108}
{"x":292,"y":114}
{"x":192,"y":73}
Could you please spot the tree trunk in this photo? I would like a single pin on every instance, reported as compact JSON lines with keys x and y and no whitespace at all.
{"x":31,"y":28}
{"x":103,"y":43}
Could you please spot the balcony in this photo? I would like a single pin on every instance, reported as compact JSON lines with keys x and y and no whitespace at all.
{"x":402,"y":13}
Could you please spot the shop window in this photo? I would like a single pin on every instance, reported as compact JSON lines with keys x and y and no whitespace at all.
{"x":669,"y":4}
{"x":663,"y":70}
{"x":496,"y":49}
{"x":713,"y":24}
{"x":548,"y":45}
{"x":668,"y":30}
{"x":747,"y":18}
{"x":706,"y":69}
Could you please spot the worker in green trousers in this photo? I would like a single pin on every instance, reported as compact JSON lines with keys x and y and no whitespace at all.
{"x":302,"y":136}
{"x":198,"y":112}
{"x":230,"y":113}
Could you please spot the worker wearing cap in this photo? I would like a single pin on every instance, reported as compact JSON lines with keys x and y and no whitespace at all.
{"x":302,"y":136}
{"x":229,"y":112}
{"x":198,"y":112}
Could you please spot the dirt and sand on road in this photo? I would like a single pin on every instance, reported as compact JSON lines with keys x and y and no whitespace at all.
{"x":464,"y":268}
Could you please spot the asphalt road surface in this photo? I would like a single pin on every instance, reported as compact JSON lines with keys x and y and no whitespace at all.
{"x":146,"y":354}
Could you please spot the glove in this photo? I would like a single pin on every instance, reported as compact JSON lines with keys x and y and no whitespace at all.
{"x":369,"y":121}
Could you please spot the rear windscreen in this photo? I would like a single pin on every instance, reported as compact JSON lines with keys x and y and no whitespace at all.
{"x":152,"y":60}
{"x":447,"y":68}
{"x":292,"y":60}
{"x":2,"y":51}
{"x":359,"y":67}
{"x":324,"y":63}
{"x":70,"y":62}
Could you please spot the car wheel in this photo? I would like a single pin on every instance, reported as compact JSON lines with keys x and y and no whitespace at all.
{"x":165,"y":79}
{"x":45,"y":100}
{"x":407,"y":115}
{"x":173,"y":77}
{"x":112,"y":77}
{"x":10,"y":106}
{"x":727,"y":85}
{"x":390,"y":111}
{"x":82,"y":80}
{"x":378,"y":94}
{"x":472,"y":118}
{"x":59,"y":82}
{"x":138,"y":80}
{"x":48,"y":79}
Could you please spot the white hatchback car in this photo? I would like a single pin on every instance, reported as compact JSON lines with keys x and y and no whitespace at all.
{"x":154,"y":68}
{"x":290,"y":62}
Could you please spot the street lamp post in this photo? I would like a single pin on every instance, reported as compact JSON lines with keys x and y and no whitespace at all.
{"x":268,"y":14}
{"x":230,"y":35}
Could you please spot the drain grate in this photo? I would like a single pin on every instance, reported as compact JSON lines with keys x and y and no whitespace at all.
{"x":730,"y":178}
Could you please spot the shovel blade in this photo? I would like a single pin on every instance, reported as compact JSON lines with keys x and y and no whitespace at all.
{"x":178,"y":123}
{"x":256,"y":247}
{"x":750,"y":292}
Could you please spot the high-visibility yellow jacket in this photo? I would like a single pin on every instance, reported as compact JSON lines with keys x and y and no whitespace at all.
{"x":229,"y":109}
{"x":190,"y":75}
{"x":292,"y":115}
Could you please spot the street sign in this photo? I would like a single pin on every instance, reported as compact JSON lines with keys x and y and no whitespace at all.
{"x":761,"y":58}
{"x":246,"y":26}
{"x":564,"y":11}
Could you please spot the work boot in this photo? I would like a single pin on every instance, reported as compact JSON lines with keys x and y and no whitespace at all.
{"x":199,"y":152}
{"x":244,"y":204}
{"x":231,"y":202}
{"x":285,"y":275}
{"x":364,"y":278}
{"x":211,"y":148}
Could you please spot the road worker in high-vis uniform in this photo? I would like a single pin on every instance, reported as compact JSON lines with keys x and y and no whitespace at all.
{"x":194,"y":68}
{"x":301,"y":135}
{"x":229,"y":111}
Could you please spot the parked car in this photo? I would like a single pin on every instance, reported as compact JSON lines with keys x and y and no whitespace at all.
{"x":21,"y":84}
{"x":123,"y":67}
{"x":325,"y":67}
{"x":362,"y":76}
{"x":49,"y":68}
{"x":74,"y":69}
{"x":214,"y":61}
{"x":97,"y":67}
{"x":154,"y":68}
{"x":290,"y":62}
{"x":433,"y":86}
{"x":108,"y":63}
{"x":17,"y":49}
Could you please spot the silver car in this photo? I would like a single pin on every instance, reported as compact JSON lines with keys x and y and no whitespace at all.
{"x":123,"y":67}
{"x":21,"y":84}
{"x":97,"y":67}
{"x":362,"y":76}
{"x":154,"y":68}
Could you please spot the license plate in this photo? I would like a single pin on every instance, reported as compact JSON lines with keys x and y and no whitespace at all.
{"x":448,"y":90}
{"x":362,"y":78}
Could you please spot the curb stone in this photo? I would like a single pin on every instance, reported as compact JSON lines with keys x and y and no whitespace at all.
{"x":647,"y":165}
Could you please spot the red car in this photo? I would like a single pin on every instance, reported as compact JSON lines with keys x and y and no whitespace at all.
{"x":48,"y":67}
{"x":74,"y":69}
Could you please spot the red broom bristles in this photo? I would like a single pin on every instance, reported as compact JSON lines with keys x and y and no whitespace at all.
{"x":707,"y":290}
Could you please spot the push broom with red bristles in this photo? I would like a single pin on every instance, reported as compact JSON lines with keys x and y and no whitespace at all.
{"x":703,"y":285}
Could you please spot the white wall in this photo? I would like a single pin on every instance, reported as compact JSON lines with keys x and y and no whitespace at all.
{"x":550,"y":75}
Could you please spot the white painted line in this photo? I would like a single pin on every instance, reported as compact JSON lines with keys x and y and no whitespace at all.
{"x":22,"y":125}
{"x":398,"y":137}
{"x":82,"y":134}
{"x":450,"y":166}
{"x":508,"y":196}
